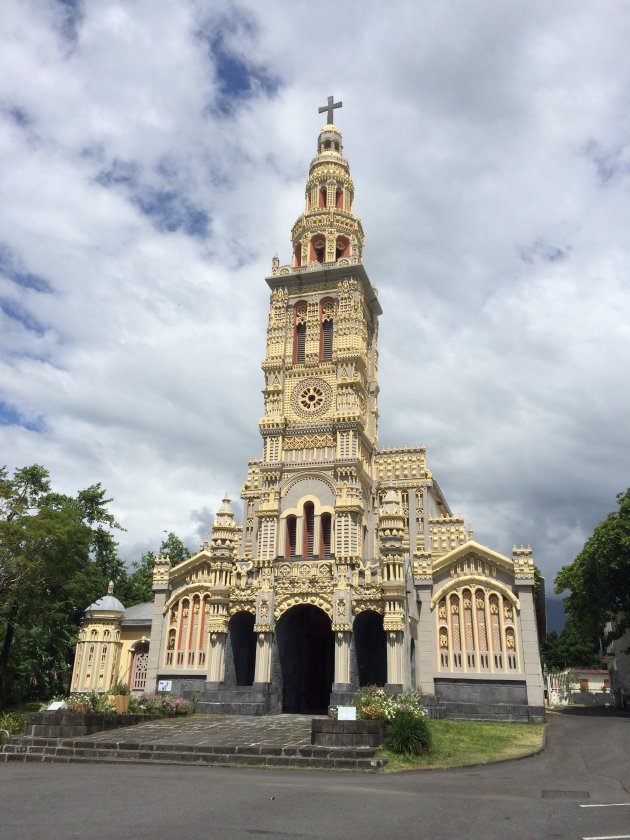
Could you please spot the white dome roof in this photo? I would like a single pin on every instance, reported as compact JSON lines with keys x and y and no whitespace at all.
{"x":106,"y":604}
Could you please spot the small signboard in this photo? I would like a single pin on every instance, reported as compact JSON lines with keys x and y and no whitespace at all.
{"x":57,"y":706}
{"x":346,"y":712}
{"x":165,"y":685}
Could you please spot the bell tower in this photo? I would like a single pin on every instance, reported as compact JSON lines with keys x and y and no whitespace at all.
{"x":311,"y":492}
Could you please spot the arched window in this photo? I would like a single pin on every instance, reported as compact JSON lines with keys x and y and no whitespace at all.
{"x":342,"y":247}
{"x":326,"y":534}
{"x":339,"y":199}
{"x":327,"y":315}
{"x":309,"y":529}
{"x":290,"y":537}
{"x":321,"y":198}
{"x":477,"y":632}
{"x":299,"y":339}
{"x":297,"y":255}
{"x":318,"y":248}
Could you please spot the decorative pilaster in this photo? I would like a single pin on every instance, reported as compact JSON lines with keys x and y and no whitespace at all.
{"x":162,"y":591}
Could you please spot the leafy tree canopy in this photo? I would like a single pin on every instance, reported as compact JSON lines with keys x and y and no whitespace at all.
{"x":57,"y":553}
{"x":599,"y":577}
{"x":138,"y":588}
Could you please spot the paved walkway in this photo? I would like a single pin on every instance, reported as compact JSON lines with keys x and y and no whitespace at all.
{"x":217,"y":731}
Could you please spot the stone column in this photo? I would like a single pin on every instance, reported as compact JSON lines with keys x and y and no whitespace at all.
{"x":264,"y":643}
{"x":343,"y":639}
{"x":161,"y":587}
{"x":216,"y":662}
{"x":395,"y":654}
{"x":529,"y":645}
{"x":427,"y":642}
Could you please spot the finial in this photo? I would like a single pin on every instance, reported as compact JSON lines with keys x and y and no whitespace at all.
{"x":329,"y":108}
{"x":110,"y":587}
{"x":470,"y":533}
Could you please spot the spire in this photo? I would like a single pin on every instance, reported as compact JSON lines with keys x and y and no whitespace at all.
{"x":328,"y":231}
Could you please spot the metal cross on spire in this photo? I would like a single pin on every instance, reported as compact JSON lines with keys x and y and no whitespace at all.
{"x":331,"y":105}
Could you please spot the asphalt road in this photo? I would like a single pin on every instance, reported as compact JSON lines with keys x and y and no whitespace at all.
{"x":586,"y":763}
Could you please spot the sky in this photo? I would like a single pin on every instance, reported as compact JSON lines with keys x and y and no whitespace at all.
{"x":153,"y":158}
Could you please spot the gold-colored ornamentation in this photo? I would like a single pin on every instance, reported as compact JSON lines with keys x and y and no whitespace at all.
{"x":311,"y":396}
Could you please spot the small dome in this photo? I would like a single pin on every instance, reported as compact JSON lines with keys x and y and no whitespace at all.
{"x":106,"y":604}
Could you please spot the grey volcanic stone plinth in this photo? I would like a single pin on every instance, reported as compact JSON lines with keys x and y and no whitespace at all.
{"x":347,"y":733}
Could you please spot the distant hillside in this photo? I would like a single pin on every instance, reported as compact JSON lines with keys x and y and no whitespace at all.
{"x":555,"y":614}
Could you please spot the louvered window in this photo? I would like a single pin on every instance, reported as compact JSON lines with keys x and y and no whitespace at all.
{"x":309,"y":529}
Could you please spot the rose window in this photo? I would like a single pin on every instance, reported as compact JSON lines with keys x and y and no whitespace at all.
{"x":311,"y":398}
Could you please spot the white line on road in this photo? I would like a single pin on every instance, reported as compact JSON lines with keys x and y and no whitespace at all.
{"x":607,"y":805}
{"x":609,"y":837}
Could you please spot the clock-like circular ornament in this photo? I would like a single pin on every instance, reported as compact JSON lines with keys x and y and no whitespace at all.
{"x":311,"y":396}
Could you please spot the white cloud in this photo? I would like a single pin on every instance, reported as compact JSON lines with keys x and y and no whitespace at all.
{"x":489,"y":148}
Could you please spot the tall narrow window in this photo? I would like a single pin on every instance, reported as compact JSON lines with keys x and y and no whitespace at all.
{"x":327,"y":313}
{"x":290,"y":540}
{"x":309,"y":529}
{"x":326,"y":524}
{"x":299,"y":339}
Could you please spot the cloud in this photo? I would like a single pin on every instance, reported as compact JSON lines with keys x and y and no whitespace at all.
{"x":153,"y":159}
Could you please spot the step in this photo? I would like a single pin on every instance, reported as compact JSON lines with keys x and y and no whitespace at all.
{"x":67,"y":750}
{"x":212,"y":707}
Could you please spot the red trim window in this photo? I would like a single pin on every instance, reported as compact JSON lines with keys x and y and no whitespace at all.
{"x":290,"y":537}
{"x":326,"y":321}
{"x":309,"y":529}
{"x":299,"y":336}
{"x":342,"y":247}
{"x":325,"y":539}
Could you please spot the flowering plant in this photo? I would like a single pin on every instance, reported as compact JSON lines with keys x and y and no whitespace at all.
{"x":376,"y":704}
{"x":161,"y":705}
{"x":92,"y":703}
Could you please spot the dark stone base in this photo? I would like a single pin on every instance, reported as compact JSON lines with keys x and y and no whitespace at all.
{"x":342,"y":694}
{"x":461,"y":690}
{"x":347,"y":733}
{"x":257,"y":699}
{"x":65,"y":724}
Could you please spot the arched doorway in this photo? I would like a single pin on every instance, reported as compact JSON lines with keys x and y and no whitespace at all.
{"x":241,"y":654}
{"x":370,"y":644}
{"x":307,"y":659}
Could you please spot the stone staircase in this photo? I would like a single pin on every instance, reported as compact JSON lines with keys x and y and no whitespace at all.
{"x":135,"y":752}
{"x":239,"y":700}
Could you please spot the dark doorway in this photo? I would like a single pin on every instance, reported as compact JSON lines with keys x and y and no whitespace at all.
{"x":371,"y":647}
{"x":307,"y":659}
{"x":243,"y":647}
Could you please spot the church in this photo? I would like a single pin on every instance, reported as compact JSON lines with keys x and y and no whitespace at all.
{"x":349,"y":567}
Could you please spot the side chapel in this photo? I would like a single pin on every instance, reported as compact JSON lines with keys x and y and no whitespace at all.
{"x":349,"y":567}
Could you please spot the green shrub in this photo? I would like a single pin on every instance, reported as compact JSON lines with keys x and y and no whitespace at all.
{"x":13,"y":722}
{"x":408,"y":734}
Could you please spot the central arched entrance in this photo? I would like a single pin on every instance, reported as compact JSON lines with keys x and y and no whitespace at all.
{"x":307,"y":659}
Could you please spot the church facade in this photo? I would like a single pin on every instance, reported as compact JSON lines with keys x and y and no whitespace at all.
{"x":349,"y":567}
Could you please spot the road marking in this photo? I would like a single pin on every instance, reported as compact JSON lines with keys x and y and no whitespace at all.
{"x":607,"y":805}
{"x":609,"y":837}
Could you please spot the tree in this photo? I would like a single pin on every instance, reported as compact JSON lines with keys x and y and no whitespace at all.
{"x":599,"y":577}
{"x":570,"y":649}
{"x":57,"y":553}
{"x":139,"y":585}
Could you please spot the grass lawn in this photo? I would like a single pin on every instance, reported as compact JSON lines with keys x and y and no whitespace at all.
{"x":459,"y":742}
